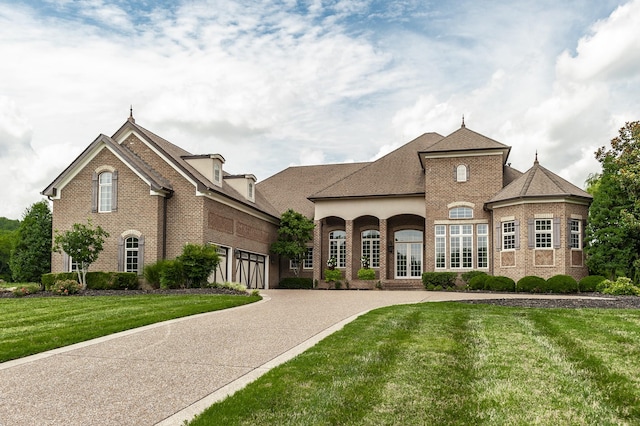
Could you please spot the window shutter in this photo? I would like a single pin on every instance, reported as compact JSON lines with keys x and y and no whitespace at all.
{"x":569,"y":233}
{"x":94,"y":193}
{"x":114,"y":191}
{"x":516,"y":226}
{"x":531,"y":233}
{"x":120,"y":254}
{"x":467,"y":168}
{"x":65,"y":262}
{"x":584,"y":233}
{"x":499,"y":237}
{"x":140,"y":255}
{"x":556,"y":232}
{"x":455,"y":173}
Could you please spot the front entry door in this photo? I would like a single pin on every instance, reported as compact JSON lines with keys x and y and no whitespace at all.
{"x":408,"y":254}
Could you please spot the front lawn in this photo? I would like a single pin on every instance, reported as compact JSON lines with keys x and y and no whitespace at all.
{"x":455,"y":364}
{"x":32,"y":325}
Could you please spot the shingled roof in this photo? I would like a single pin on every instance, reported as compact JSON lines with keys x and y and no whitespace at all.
{"x":538,"y":182}
{"x":465,"y":139}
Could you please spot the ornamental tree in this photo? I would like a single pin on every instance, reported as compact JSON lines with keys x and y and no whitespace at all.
{"x":198,"y":262}
{"x":83,"y":243}
{"x":31,"y":256}
{"x":613,"y":231}
{"x":295,"y":231}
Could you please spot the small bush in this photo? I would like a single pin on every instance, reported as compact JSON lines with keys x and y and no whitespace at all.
{"x":48,"y":280}
{"x":442,"y":279}
{"x":66,"y":287}
{"x":26,"y":289}
{"x":623,"y":286}
{"x":172,"y":275}
{"x":466,"y":277}
{"x":296,"y":283}
{"x":332,"y":275}
{"x":478,"y":282}
{"x":338,"y":285}
{"x":112,"y":281}
{"x":590,"y":283}
{"x":531,"y":284}
{"x":562,"y":284}
{"x":499,"y":283}
{"x":366,"y":274}
{"x":153,"y":272}
{"x":241,"y":288}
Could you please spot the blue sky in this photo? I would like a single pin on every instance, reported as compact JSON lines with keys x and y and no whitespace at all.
{"x":269,"y":84}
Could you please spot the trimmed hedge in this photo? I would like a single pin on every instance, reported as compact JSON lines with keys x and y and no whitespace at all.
{"x":296,"y":283}
{"x":590,"y":283}
{"x":478,"y":282}
{"x":441,"y":279}
{"x":531,"y":284}
{"x":499,"y":283}
{"x":332,"y":275}
{"x":562,"y":284}
{"x":366,"y":274}
{"x":467,"y":276}
{"x":96,"y":280}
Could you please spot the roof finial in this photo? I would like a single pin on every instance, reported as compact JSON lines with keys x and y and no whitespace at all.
{"x":536,"y":160}
{"x":463,"y":121}
{"x":131,"y":119}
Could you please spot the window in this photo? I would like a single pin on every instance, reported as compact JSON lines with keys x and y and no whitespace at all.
{"x":508,"y":235}
{"x":543,"y":232}
{"x":105,"y":192}
{"x":408,"y":252}
{"x":131,"y":255}
{"x":72,"y":265}
{"x":216,"y":172}
{"x":462,"y":173}
{"x":250,"y":190}
{"x":461,"y":213}
{"x":308,"y":259}
{"x":483,"y":245}
{"x":441,"y":246}
{"x":575,"y":235}
{"x":461,"y":246}
{"x":371,"y":247}
{"x":338,"y":247}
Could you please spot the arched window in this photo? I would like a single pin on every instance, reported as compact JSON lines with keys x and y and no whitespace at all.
{"x":216,"y":172}
{"x":461,"y":213}
{"x":462,"y":173}
{"x":338,"y":248}
{"x":105,"y":191}
{"x":371,"y":247}
{"x":131,"y":254}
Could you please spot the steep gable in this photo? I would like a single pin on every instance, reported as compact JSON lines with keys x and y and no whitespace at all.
{"x":465,"y":139}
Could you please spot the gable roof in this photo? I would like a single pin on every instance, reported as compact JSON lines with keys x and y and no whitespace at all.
{"x":397,"y":173}
{"x":465,"y":139}
{"x":538,"y":182}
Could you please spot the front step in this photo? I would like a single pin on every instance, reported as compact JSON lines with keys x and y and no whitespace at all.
{"x":412,"y":285}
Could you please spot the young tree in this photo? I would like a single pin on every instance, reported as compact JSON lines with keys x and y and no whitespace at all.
{"x":613,"y":232}
{"x":198,"y":262}
{"x":31,"y":256}
{"x":294,"y":233}
{"x":83,"y":243}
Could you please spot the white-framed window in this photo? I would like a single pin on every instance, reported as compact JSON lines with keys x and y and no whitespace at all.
{"x":338,"y":248}
{"x":307,"y":263}
{"x":216,"y":172}
{"x":72,"y":265}
{"x":543,"y":233}
{"x":461,"y":213}
{"x":508,"y":235}
{"x":371,"y":247}
{"x":462,"y":173}
{"x":441,"y":246}
{"x":250,"y":190}
{"x":131,"y":255}
{"x":461,"y":246}
{"x":575,"y":236}
{"x":105,"y":192}
{"x":483,"y":245}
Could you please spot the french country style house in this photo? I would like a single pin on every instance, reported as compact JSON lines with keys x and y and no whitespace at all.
{"x":437,"y":203}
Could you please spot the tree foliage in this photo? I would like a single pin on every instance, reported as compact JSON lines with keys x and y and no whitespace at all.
{"x":613,"y":232}
{"x":198,"y":262}
{"x":31,"y":256}
{"x":295,"y":231}
{"x":83,"y":243}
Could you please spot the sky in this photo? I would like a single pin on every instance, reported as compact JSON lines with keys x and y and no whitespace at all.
{"x":273,"y":84}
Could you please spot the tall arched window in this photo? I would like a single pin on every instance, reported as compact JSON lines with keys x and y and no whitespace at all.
{"x":371,"y":247}
{"x":462,"y":173}
{"x":132,"y":255}
{"x":338,"y":248}
{"x":105,"y":191}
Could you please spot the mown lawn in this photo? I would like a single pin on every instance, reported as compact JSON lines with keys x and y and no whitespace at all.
{"x":455,"y":364}
{"x":32,"y":325}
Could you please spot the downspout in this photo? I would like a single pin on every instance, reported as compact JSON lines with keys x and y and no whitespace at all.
{"x":164,"y":225}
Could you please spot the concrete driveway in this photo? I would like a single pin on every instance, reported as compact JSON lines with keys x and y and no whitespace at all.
{"x":166,"y":373}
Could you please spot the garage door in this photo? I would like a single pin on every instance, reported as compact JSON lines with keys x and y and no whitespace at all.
{"x":250,"y":269}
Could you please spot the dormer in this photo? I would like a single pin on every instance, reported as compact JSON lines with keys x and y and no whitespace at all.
{"x":244,"y":184}
{"x":209,"y":165}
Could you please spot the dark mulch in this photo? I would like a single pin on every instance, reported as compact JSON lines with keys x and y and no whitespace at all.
{"x":130,"y":292}
{"x":598,"y":301}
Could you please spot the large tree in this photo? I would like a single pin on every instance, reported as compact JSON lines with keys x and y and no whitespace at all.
{"x":613,"y":232}
{"x":31,"y":256}
{"x":295,"y":231}
{"x":83,"y":243}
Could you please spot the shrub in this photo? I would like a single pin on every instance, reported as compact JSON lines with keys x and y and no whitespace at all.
{"x":442,"y":279}
{"x":296,"y":282}
{"x":332,"y":275}
{"x":590,"y":283}
{"x":172,"y":275}
{"x":112,"y":280}
{"x":338,"y":285}
{"x":198,"y":261}
{"x":466,"y":277}
{"x":66,"y":287}
{"x":366,"y":274}
{"x":478,"y":282}
{"x":499,"y":283}
{"x":153,"y":272}
{"x":26,"y":289}
{"x":531,"y":284}
{"x":623,"y":286}
{"x":562,"y":284}
{"x":48,"y":280}
{"x":241,"y":288}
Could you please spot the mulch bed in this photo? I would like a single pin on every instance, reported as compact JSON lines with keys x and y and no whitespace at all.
{"x":6,"y":294}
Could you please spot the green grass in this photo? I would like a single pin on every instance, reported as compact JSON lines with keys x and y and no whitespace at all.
{"x":32,"y":325}
{"x":455,"y":364}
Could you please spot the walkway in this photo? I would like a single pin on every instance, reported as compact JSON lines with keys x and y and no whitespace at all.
{"x":166,"y":373}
